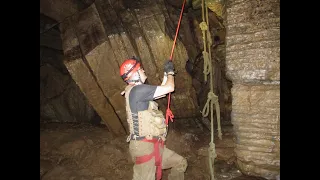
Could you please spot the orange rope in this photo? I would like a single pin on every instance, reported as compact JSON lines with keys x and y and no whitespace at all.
{"x":169,"y":112}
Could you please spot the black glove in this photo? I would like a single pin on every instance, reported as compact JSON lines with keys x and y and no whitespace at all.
{"x":168,"y":66}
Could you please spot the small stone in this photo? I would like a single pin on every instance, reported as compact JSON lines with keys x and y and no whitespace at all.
{"x":89,"y":141}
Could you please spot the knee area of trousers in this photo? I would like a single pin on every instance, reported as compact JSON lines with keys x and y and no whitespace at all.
{"x":182,"y":166}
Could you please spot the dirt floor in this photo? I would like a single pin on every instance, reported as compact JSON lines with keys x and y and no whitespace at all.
{"x":87,"y":152}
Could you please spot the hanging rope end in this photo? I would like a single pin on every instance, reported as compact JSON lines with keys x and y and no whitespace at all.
{"x":169,"y":115}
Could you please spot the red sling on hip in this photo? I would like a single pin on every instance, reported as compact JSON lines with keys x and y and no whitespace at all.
{"x":155,"y":154}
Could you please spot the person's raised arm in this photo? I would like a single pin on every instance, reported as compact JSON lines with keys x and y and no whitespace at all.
{"x":167,"y":85}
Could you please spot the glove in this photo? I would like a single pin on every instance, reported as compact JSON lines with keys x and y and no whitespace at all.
{"x":168,"y":67}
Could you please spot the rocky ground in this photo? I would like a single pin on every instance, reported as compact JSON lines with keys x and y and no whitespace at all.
{"x":87,"y":152}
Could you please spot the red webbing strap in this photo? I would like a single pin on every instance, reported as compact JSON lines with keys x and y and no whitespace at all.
{"x":155,"y":153}
{"x":169,"y":112}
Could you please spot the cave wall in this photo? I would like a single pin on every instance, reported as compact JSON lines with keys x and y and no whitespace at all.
{"x":253,"y":65}
{"x":98,"y":39}
{"x":61,"y":100}
{"x":97,"y":36}
{"x":58,"y":10}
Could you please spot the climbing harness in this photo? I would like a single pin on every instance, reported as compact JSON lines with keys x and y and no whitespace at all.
{"x":156,"y":154}
{"x":169,"y":112}
{"x":211,"y":98}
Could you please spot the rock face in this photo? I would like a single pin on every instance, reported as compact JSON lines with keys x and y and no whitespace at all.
{"x":253,"y":65}
{"x":99,"y":38}
{"x":61,"y":100}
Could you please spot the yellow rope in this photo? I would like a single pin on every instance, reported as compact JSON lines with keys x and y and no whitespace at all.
{"x":212,"y":98}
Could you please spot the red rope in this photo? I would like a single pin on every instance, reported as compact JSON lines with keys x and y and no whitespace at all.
{"x":169,"y":112}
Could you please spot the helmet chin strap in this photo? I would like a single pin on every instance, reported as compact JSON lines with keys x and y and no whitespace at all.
{"x":137,"y":80}
{"x":140,"y":77}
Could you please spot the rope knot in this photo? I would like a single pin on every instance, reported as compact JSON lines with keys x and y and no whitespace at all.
{"x":203,"y":26}
{"x":213,"y":97}
{"x":205,"y":55}
{"x":211,"y":149}
{"x":170,"y":115}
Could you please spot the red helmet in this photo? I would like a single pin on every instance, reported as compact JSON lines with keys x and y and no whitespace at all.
{"x":129,"y":67}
